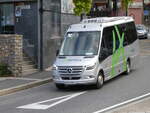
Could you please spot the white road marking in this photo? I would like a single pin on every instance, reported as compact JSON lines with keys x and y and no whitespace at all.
{"x":17,"y":78}
{"x":123,"y":103}
{"x":42,"y":106}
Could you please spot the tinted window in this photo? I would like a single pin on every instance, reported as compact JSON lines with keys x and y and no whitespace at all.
{"x":131,"y":32}
{"x":108,"y":39}
{"x":122,"y":30}
{"x":117,"y":42}
{"x":107,"y":43}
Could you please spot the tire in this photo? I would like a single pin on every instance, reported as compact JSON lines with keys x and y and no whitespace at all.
{"x":60,"y":86}
{"x":100,"y":81}
{"x":128,"y":67}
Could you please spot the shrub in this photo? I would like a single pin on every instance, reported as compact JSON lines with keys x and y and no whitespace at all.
{"x":4,"y":71}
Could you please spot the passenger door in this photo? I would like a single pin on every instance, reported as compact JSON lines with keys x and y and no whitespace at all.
{"x":106,"y":51}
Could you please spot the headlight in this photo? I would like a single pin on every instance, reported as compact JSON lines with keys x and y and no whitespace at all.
{"x":90,"y":67}
{"x":54,"y":67}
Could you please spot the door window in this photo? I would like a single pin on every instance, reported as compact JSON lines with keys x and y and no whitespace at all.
{"x":108,"y":39}
{"x":106,"y":44}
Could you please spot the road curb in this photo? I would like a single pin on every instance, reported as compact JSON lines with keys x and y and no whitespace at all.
{"x":24,"y":86}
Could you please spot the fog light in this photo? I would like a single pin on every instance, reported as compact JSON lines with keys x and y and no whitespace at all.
{"x":90,"y":76}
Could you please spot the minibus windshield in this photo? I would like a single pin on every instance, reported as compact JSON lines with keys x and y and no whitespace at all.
{"x":80,"y":43}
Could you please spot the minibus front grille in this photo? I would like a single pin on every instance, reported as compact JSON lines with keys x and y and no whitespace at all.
{"x":73,"y":72}
{"x":69,"y":74}
{"x":70,"y":78}
{"x":70,"y":70}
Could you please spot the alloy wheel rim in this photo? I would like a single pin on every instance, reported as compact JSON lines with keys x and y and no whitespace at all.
{"x":128,"y":68}
{"x":100,"y":80}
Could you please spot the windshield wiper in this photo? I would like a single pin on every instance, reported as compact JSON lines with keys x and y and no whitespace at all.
{"x":92,"y":56}
{"x":61,"y":57}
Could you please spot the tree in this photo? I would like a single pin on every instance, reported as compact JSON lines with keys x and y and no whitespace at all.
{"x":125,"y":5}
{"x":82,"y":7}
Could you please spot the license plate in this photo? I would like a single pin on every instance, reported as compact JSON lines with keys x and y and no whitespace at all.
{"x":70,"y":82}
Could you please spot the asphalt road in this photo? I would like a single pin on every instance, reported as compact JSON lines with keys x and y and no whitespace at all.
{"x":82,"y":99}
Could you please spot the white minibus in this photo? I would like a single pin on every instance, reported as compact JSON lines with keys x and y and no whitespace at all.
{"x":96,"y":50}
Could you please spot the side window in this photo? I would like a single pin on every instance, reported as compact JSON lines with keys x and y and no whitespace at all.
{"x":123,"y":29}
{"x":106,"y":44}
{"x":125,"y":43}
{"x":117,"y":42}
{"x":131,"y":32}
{"x":108,"y":39}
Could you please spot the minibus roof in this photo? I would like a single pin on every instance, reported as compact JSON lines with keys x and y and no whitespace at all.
{"x":97,"y":24}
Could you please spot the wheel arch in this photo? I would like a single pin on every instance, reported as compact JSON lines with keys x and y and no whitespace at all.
{"x":129,"y":60}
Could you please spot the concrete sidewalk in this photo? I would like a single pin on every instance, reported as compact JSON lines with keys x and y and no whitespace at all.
{"x":141,"y":106}
{"x":13,"y":84}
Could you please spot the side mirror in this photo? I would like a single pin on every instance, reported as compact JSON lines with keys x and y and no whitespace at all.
{"x":57,"y":52}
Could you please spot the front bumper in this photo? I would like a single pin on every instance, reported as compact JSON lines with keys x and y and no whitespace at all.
{"x":76,"y":82}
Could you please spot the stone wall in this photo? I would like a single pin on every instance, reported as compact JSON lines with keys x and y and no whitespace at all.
{"x":11,"y":52}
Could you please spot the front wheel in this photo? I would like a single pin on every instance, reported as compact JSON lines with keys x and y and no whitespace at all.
{"x":100,"y":81}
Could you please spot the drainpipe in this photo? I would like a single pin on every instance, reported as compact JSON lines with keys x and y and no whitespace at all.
{"x":40,"y":35}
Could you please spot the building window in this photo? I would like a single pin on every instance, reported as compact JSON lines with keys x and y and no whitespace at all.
{"x":147,"y":13}
{"x":6,"y":18}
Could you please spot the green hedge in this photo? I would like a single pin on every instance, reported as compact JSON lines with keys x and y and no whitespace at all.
{"x":4,"y":71}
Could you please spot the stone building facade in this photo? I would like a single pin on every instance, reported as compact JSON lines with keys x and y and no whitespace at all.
{"x":42,"y":24}
{"x":11,"y":53}
{"x":57,"y":16}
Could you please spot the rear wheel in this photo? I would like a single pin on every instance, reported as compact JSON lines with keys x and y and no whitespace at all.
{"x":128,"y":68}
{"x":100,"y":81}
